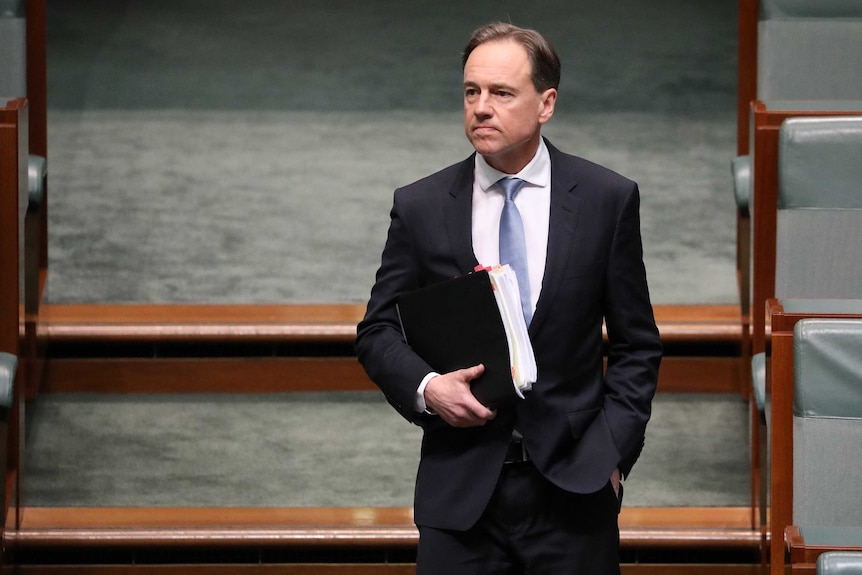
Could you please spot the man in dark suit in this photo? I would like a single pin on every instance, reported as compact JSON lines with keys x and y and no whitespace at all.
{"x":534,"y":487}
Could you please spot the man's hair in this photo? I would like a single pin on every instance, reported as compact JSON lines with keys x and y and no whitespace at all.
{"x":544,"y":61}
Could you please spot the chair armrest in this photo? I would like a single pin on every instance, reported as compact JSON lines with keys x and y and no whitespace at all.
{"x":8,"y":365}
{"x":758,"y":381}
{"x":740,"y":167}
{"x":37,"y":169}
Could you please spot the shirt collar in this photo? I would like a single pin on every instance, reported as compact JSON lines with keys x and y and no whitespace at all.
{"x":537,"y":172}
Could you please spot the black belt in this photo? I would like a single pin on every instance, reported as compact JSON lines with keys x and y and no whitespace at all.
{"x":517,"y":452}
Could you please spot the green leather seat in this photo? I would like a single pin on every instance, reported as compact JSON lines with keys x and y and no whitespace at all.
{"x":818,"y":244}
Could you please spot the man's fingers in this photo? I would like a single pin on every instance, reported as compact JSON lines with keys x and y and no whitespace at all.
{"x":449,"y":396}
{"x":476,"y":409}
{"x":472,"y":373}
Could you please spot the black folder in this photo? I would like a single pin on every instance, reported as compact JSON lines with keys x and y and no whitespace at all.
{"x":456,"y":324}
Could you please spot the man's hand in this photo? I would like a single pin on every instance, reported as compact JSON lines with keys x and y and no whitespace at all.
{"x":449,"y":397}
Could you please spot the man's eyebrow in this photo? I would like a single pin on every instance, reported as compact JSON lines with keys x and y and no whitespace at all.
{"x":493,"y":87}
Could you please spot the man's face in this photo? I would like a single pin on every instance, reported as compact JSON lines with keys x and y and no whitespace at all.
{"x":503,"y":112}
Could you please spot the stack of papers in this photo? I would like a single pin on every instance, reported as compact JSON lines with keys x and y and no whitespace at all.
{"x":508,"y":296}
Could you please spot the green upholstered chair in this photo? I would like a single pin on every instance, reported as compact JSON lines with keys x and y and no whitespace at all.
{"x":806,"y":50}
{"x":827,"y":434}
{"x":818,"y":244}
{"x":827,"y":437}
{"x":827,"y":423}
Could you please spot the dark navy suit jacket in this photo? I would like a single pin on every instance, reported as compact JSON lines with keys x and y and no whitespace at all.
{"x":580,"y":420}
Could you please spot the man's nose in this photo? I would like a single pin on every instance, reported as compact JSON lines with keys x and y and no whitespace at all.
{"x":483,"y":105}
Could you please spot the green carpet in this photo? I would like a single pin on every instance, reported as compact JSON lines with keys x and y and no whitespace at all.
{"x":330,"y":449}
{"x":209,"y":151}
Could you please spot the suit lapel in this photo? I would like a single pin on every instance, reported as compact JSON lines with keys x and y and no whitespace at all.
{"x":561,"y":228}
{"x":458,"y":214}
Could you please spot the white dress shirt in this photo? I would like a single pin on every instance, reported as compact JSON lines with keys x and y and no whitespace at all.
{"x":534,"y":204}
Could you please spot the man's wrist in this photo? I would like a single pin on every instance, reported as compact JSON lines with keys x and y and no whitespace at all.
{"x":419,"y":403}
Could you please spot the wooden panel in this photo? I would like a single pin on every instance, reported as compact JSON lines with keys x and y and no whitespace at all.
{"x":13,"y":162}
{"x":205,"y":375}
{"x":37,"y":96}
{"x":284,"y":374}
{"x":13,"y":191}
{"x":37,"y":76}
{"x":779,"y":372}
{"x":699,"y":375}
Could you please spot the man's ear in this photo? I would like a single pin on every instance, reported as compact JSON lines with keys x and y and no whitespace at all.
{"x":547,"y":101}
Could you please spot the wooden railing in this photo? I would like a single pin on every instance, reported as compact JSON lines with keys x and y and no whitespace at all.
{"x":124,"y":348}
{"x":375,"y":535}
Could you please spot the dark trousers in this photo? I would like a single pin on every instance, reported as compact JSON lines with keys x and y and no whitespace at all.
{"x":530,"y":527}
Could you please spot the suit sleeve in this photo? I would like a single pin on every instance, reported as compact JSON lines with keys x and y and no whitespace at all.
{"x":380,"y":345}
{"x":634,"y":352}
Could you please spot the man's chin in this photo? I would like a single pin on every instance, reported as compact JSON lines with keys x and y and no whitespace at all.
{"x":485,"y":146}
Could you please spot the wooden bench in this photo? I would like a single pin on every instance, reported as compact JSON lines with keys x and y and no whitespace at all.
{"x":381,"y":535}
{"x":209,"y":348}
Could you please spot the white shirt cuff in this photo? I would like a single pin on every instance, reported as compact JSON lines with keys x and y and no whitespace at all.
{"x":419,"y":404}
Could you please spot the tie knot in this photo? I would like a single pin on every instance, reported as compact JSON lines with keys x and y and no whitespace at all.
{"x":511,"y":186}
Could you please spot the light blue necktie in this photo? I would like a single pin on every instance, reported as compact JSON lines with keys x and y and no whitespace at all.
{"x":513,"y":246}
